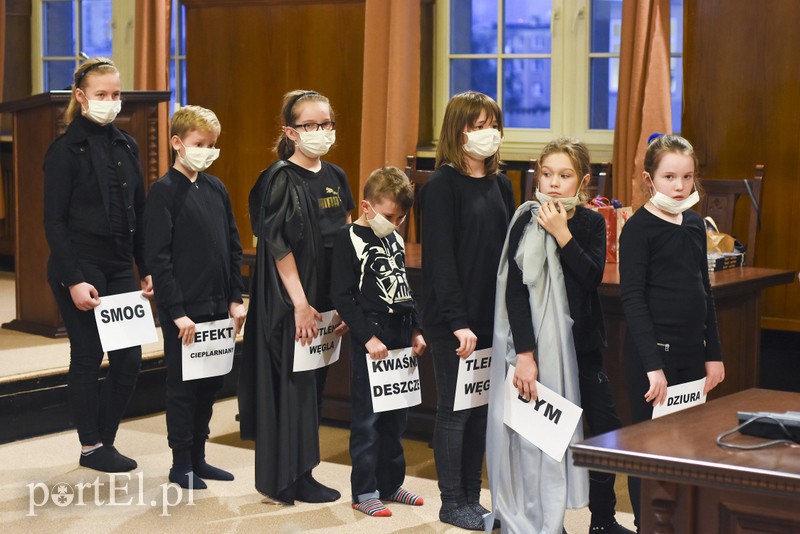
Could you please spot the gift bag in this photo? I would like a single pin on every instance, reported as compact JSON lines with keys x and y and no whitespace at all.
{"x":615,"y":216}
{"x":717,"y":241}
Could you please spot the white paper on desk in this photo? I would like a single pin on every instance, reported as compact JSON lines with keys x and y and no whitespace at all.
{"x":211,"y":352}
{"x":472,"y":384}
{"x":680,"y":397}
{"x":394,"y":380}
{"x":322,"y":351}
{"x":125,"y":320}
{"x":548,"y":423}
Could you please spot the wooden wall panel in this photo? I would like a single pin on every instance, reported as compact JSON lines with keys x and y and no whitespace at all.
{"x":243,"y":56}
{"x":742,"y":107}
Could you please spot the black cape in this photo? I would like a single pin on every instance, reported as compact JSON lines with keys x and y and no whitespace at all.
{"x":277,"y":407}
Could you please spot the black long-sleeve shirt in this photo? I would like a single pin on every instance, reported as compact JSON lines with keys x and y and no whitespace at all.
{"x":368,"y":275}
{"x":583,"y":260}
{"x":666,"y":292}
{"x":464,"y":223}
{"x":192,"y":245}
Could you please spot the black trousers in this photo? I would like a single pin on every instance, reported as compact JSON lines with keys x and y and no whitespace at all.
{"x":190,"y":404}
{"x":459,"y":438}
{"x":597,"y":401}
{"x":376,"y":445}
{"x":638,"y":384}
{"x":97,"y":407}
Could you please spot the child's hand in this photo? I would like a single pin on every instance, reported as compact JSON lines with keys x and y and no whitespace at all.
{"x":377,"y":350}
{"x":526,"y":373}
{"x":418,"y":344}
{"x":467,"y":341}
{"x":715,"y":373}
{"x":305,"y":323}
{"x":238,"y":313}
{"x":185,"y":329}
{"x":658,"y":387}
{"x":553,"y":218}
{"x":342,"y":328}
{"x":147,"y":286}
{"x":84,"y":296}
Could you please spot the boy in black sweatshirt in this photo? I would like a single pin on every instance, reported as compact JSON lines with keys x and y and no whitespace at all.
{"x":370,"y":291}
{"x":194,"y":248}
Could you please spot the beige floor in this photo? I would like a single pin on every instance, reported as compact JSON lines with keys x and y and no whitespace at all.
{"x":31,"y":466}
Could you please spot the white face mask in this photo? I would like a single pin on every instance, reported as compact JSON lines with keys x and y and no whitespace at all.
{"x":569,"y":202}
{"x":380,"y":225}
{"x":316,"y":144}
{"x":670,"y":205}
{"x":483,"y":144}
{"x":102,"y":111}
{"x":198,"y":159}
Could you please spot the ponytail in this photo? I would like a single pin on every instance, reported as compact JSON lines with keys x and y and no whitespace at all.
{"x":284,"y":147}
{"x":90,"y":67}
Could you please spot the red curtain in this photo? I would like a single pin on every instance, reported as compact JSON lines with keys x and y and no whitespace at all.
{"x":644,"y":101}
{"x":390,"y":101}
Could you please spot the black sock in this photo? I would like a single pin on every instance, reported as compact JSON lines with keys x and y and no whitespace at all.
{"x":183,"y":476}
{"x":106,"y":459}
{"x":130,"y":461}
{"x":205,"y":470}
{"x":311,"y":490}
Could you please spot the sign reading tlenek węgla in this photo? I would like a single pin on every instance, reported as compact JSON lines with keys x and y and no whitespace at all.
{"x":322,"y":351}
{"x":472,"y":384}
{"x":125,"y":320}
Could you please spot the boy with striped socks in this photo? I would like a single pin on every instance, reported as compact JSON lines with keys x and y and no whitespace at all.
{"x":370,"y":291}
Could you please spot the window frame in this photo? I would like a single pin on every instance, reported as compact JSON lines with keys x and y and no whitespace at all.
{"x":570,"y":87}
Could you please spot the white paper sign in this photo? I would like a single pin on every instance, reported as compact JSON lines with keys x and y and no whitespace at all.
{"x":211,"y":353}
{"x":324,"y":350}
{"x":125,"y":320}
{"x":394,"y":381}
{"x":548,"y":423}
{"x":472,"y":385}
{"x":680,"y":397}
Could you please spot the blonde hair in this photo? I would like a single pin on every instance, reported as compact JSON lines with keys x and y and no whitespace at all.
{"x":662,"y":145}
{"x":284,"y":147}
{"x":392,"y":184}
{"x":191,"y":118}
{"x":578,"y":155}
{"x":461,"y":113}
{"x":91,"y":67}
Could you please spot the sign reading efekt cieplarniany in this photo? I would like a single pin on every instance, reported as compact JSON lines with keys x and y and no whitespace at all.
{"x":211,"y":352}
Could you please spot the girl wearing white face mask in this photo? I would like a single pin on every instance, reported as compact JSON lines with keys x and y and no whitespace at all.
{"x":466,"y":206}
{"x":94,"y":212}
{"x":296,"y":208}
{"x":547,"y":336}
{"x":672,"y":334}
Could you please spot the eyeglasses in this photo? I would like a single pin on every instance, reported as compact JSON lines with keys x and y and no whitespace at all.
{"x":314,"y":127}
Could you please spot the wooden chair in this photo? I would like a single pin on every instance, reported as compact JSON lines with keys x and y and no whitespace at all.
{"x":601,"y":172}
{"x":418,"y":178}
{"x":719,"y":202}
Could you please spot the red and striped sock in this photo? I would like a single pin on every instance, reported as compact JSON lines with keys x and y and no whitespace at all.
{"x":406,"y":497}
{"x":373,"y":507}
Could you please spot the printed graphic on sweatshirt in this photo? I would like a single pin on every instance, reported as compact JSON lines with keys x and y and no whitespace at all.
{"x":332,"y":198}
{"x":383,"y":275}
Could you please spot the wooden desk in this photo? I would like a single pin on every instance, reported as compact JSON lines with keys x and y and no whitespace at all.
{"x":692,"y":485}
{"x":737,"y":295}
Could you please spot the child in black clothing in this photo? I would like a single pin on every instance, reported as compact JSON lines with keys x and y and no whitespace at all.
{"x":370,"y":291}
{"x":193,"y":246}
{"x":672,"y":334}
